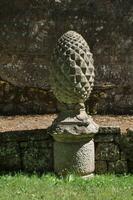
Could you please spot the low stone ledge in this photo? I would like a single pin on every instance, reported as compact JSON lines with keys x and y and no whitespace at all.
{"x":114,"y":150}
{"x":107,"y":133}
{"x":28,"y":150}
{"x":10,"y":156}
{"x":109,"y":129}
{"x":32,"y":150}
{"x":37,"y":156}
{"x":32,"y":135}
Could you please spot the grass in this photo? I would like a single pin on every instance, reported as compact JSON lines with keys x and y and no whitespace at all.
{"x":49,"y":187}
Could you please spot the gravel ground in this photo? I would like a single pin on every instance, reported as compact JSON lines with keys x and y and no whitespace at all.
{"x":31,"y":122}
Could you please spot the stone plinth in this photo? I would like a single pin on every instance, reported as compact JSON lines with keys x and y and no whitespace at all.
{"x":76,"y":157}
{"x":74,"y":145}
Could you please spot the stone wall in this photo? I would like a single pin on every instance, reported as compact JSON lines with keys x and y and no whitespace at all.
{"x":26,"y":150}
{"x":32,"y":150}
{"x":113,"y":151}
{"x":17,"y":100}
{"x":29,"y":30}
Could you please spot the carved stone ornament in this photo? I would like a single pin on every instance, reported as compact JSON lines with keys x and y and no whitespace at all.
{"x":72,"y":70}
{"x":72,"y":80}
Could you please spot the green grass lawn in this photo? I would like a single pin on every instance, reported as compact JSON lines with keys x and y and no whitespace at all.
{"x":49,"y":187}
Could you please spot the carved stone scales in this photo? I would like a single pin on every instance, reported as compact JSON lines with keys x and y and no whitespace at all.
{"x":72,"y":72}
{"x":72,"y":80}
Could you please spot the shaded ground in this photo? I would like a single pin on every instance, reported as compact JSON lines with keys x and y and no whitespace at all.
{"x":43,"y":121}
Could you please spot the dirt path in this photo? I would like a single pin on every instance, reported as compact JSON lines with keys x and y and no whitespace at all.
{"x":29,"y":122}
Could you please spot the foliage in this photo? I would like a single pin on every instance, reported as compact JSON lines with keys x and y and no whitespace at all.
{"x":50,"y":187}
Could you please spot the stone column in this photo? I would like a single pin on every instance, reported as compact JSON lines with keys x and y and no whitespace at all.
{"x":72,"y":79}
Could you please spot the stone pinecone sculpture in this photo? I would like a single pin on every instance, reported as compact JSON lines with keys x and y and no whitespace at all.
{"x":72,"y":70}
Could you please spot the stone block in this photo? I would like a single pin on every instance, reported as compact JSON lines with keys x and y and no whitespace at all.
{"x":100,"y":167}
{"x":74,"y":157}
{"x":107,"y":133}
{"x":10,"y":156}
{"x":117,"y":167}
{"x":109,"y":129}
{"x":107,"y":151}
{"x":104,"y":138}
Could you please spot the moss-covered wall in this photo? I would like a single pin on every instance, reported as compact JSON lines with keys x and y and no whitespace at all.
{"x":29,"y":30}
{"x":32,"y":150}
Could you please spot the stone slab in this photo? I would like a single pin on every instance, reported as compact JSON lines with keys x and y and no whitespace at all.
{"x":107,"y":152}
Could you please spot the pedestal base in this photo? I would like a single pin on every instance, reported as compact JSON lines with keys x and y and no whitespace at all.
{"x":74,"y":146}
{"x":74,"y":157}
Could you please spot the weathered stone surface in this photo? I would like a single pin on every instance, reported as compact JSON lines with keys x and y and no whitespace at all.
{"x":101,"y":167}
{"x":75,"y":157}
{"x":15,"y":100}
{"x":104,"y":138}
{"x":107,"y":134}
{"x":10,"y":156}
{"x":107,"y":151}
{"x":72,"y":79}
{"x":33,"y":150}
{"x":109,"y":129}
{"x":21,"y":136}
{"x":72,"y":71}
{"x":118,"y":167}
{"x":29,"y":30}
{"x":29,"y":150}
{"x":32,"y":74}
{"x":37,"y":156}
{"x":126,"y":144}
{"x":74,"y":128}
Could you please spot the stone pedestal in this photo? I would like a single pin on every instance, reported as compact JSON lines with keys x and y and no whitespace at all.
{"x":74,"y":145}
{"x":74,"y":157}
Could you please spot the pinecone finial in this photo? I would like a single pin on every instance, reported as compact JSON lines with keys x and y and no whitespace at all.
{"x":72,"y":70}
